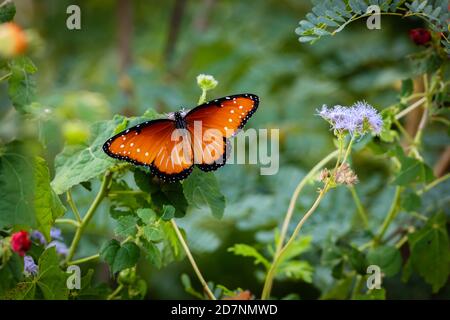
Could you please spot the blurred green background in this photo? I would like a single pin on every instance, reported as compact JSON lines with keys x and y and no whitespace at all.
{"x":133,"y":55}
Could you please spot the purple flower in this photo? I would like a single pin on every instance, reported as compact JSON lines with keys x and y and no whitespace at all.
{"x":60,"y":247}
{"x":38,"y":236}
{"x":357,"y":119}
{"x":55,"y":233}
{"x":29,"y":267}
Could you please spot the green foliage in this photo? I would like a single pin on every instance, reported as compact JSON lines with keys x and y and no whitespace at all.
{"x":430,"y":254}
{"x":244,"y":250}
{"x":22,"y":87}
{"x":412,"y":170}
{"x":387,"y":258}
{"x":26,"y":198}
{"x":120,"y":256}
{"x":50,"y":283}
{"x":203,"y":189}
{"x":76,"y":164}
{"x":7,"y":11}
{"x":332,"y":16}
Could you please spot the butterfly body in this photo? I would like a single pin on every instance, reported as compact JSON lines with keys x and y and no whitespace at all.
{"x":171,"y":147}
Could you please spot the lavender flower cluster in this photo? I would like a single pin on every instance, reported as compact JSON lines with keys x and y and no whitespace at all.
{"x":30,"y":267}
{"x":360,"y":118}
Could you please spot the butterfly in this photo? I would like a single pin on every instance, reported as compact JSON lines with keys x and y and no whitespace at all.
{"x":171,"y":147}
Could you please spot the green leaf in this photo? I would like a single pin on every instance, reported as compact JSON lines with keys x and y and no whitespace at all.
{"x":126,"y":226}
{"x":203,"y":188}
{"x":295,"y":269}
{"x":407,"y":88}
{"x":410,"y":201}
{"x":387,"y":258}
{"x":374,"y":294}
{"x":147,"y":215}
{"x":126,"y":257}
{"x":168,"y":212}
{"x":76,"y":164}
{"x":26,"y":198}
{"x":21,"y":85}
{"x":430,"y":254}
{"x":357,"y":260}
{"x":412,"y":170}
{"x":108,"y":251}
{"x":172,"y":249}
{"x":152,"y":254}
{"x":51,"y":279}
{"x":245,"y":250}
{"x":339,"y":291}
{"x":171,"y":194}
{"x":152,"y":233}
{"x":7,"y":11}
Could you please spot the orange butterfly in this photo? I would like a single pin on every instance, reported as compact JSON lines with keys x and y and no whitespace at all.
{"x":171,"y":147}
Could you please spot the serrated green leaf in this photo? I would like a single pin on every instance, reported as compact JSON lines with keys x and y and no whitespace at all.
{"x":430,"y":254}
{"x":202,"y":188}
{"x":21,"y":85}
{"x":126,"y":257}
{"x":147,"y":215}
{"x":152,"y":233}
{"x":109,"y":250}
{"x":26,"y":198}
{"x":76,"y":164}
{"x":171,"y":194}
{"x":387,"y":258}
{"x":126,"y":226}
{"x":153,"y":254}
{"x":245,"y":250}
{"x":168,"y":212}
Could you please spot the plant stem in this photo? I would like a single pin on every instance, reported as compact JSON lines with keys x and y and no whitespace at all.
{"x":278,"y":257}
{"x":433,"y":184}
{"x":73,"y":206}
{"x":89,"y":214}
{"x":86,"y":259}
{"x":6,"y":76}
{"x":390,"y":216}
{"x":357,"y":287}
{"x":202,"y":98}
{"x":410,"y":108}
{"x":192,"y":261}
{"x":296,"y":194}
{"x":68,"y":221}
{"x":115,"y":293}
{"x":349,"y":148}
{"x":360,"y":209}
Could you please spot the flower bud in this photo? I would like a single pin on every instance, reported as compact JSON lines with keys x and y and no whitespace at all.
{"x":13,"y":40}
{"x":420,"y":36}
{"x":20,"y":242}
{"x":206,"y":82}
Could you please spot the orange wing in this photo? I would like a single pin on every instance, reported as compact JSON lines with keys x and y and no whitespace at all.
{"x":212,"y":123}
{"x":154,"y":144}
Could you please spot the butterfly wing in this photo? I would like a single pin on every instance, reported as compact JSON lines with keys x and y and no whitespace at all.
{"x":151,"y":144}
{"x":213,"y":122}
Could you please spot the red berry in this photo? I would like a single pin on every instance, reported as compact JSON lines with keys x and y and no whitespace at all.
{"x":420,"y":36}
{"x":20,"y":242}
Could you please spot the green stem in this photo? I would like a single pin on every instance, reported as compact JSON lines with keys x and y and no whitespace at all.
{"x":358,"y":286}
{"x":89,"y":214}
{"x":360,"y":209}
{"x":349,"y":148}
{"x":390,"y":216}
{"x":115,"y":293}
{"x":68,"y":221}
{"x":192,"y":261}
{"x":86,"y":259}
{"x":416,"y":104}
{"x":73,"y":206}
{"x":6,"y":76}
{"x":296,"y":194}
{"x":278,"y":257}
{"x":202,"y":98}
{"x":433,"y":184}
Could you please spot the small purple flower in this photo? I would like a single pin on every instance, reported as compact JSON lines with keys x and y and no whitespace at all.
{"x":29,"y":267}
{"x":357,"y":119}
{"x":60,"y":247}
{"x":38,"y":236}
{"x":55,"y":233}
